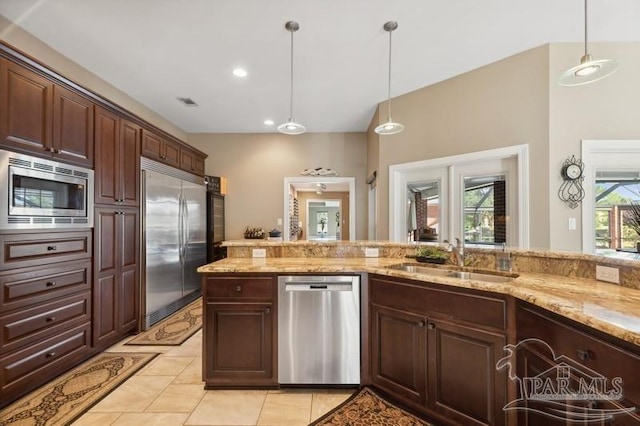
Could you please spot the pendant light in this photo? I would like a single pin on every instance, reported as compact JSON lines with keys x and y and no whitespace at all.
{"x":589,"y":70}
{"x":291,"y":127}
{"x":389,"y":127}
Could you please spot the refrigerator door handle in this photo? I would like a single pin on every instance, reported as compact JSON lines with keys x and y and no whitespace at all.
{"x":180,"y":230}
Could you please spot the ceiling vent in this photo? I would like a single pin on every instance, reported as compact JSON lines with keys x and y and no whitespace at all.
{"x":188,"y":102}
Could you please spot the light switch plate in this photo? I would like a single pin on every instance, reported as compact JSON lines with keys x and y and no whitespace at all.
{"x":371,"y":252}
{"x":259,"y":252}
{"x":605,"y":273}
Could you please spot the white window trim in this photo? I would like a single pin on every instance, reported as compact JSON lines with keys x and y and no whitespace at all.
{"x":398,"y":178}
{"x":592,"y":157}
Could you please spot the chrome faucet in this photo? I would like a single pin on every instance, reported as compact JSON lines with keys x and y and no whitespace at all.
{"x":458,"y":250}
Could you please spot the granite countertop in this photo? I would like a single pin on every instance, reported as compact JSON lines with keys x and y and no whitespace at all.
{"x":606,"y":307}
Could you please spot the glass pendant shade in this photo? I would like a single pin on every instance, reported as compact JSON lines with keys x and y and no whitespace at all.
{"x":389,"y":127}
{"x":291,"y":127}
{"x":589,"y":70}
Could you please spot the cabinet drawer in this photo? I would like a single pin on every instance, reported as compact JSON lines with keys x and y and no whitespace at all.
{"x":29,"y":325}
{"x":24,"y":287}
{"x":36,"y":364}
{"x":243,"y":288}
{"x":21,"y":250}
{"x":602,"y":357}
{"x":475,"y":309}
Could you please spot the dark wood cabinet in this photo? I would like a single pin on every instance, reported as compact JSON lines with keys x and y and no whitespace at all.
{"x":191,"y":162}
{"x":42,"y":118}
{"x":116,"y":286}
{"x":588,"y":359}
{"x":463,"y":384}
{"x":117,"y":174}
{"x":239,"y":331}
{"x":436,"y":348}
{"x":160,"y":149}
{"x":399,"y":353}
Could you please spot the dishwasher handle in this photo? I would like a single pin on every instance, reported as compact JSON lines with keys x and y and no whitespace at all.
{"x":318,"y":287}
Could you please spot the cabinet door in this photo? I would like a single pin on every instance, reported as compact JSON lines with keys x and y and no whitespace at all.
{"x":239,"y":344}
{"x":398,"y":353}
{"x":171,"y":153}
{"x":72,"y":127}
{"x":128,"y":287}
{"x":152,"y":145}
{"x":464,"y":385}
{"x":129,"y":153}
{"x":191,"y":162}
{"x":26,"y":101}
{"x":107,"y":137}
{"x":105,"y":292}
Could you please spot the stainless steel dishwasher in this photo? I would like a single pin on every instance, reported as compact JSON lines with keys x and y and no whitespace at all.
{"x":319,"y":329}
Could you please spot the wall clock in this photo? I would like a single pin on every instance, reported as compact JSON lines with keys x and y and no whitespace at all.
{"x":571,"y":191}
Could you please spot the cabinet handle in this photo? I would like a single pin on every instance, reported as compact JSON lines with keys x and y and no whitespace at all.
{"x":50,"y":354}
{"x":51,"y":284}
{"x":584,"y":354}
{"x":238,"y":289}
{"x":52,"y":248}
{"x":421,"y":324}
{"x":50,"y":319}
{"x":55,"y":151}
{"x":431,"y":326}
{"x":267,"y":310}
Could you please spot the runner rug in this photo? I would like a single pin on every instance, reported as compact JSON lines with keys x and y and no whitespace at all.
{"x":366,"y":408}
{"x":174,"y":329}
{"x":67,"y":397}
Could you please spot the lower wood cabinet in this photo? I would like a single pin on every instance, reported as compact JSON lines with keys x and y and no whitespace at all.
{"x":589,"y":360}
{"x":116,"y":293}
{"x":239,"y":331}
{"x":431,"y":360}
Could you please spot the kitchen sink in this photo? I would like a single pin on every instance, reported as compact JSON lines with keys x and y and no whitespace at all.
{"x":488,"y":276}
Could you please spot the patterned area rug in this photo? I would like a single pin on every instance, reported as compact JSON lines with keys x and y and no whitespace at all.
{"x":174,"y":329}
{"x":366,"y":408}
{"x":64,"y":399}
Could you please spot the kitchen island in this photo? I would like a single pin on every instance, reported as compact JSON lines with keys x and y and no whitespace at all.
{"x":432,"y":341}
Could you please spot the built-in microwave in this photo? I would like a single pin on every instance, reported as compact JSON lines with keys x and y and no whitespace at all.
{"x":38,"y":193}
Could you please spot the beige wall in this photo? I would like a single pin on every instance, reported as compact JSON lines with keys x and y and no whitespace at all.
{"x":607,"y":109}
{"x":26,"y":43}
{"x":499,"y":105}
{"x":256,"y":165}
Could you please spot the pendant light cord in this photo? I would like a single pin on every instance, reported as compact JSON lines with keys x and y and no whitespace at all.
{"x":586,"y":52}
{"x":389,"y":86}
{"x":291,"y":86}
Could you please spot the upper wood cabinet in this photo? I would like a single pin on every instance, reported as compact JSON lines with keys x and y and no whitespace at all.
{"x":117,"y":174}
{"x":160,"y":149}
{"x":42,"y":118}
{"x":171,"y":153}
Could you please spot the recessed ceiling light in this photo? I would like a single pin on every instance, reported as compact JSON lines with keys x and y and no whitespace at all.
{"x":188,"y":102}
{"x":268,"y":122}
{"x":240,"y":72}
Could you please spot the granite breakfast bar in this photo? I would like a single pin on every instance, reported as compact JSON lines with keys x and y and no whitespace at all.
{"x":469,"y":321}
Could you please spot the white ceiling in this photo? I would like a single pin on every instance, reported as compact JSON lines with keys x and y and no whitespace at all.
{"x":158,"y":50}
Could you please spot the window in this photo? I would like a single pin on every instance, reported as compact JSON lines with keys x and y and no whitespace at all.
{"x":614,"y":193}
{"x":485,"y":211}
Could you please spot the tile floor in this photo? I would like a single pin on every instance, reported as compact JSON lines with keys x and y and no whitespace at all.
{"x":169,"y":391}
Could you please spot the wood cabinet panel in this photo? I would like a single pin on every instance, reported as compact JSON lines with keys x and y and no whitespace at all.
{"x":191,"y":162}
{"x":22,"y":250}
{"x":171,"y":153}
{"x":34,"y":365}
{"x":27,"y":326}
{"x":72,"y":127}
{"x":471,"y":307}
{"x":240,"y":344}
{"x":23,"y":287}
{"x":26,"y":101}
{"x":240,"y":288}
{"x":160,"y":149}
{"x":398,"y":355}
{"x":118,"y":163}
{"x":116,"y":292}
{"x":464,"y":385}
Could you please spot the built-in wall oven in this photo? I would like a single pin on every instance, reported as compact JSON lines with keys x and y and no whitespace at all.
{"x":39,"y":193}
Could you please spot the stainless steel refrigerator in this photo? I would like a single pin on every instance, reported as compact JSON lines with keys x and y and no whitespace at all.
{"x":173,"y":239}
